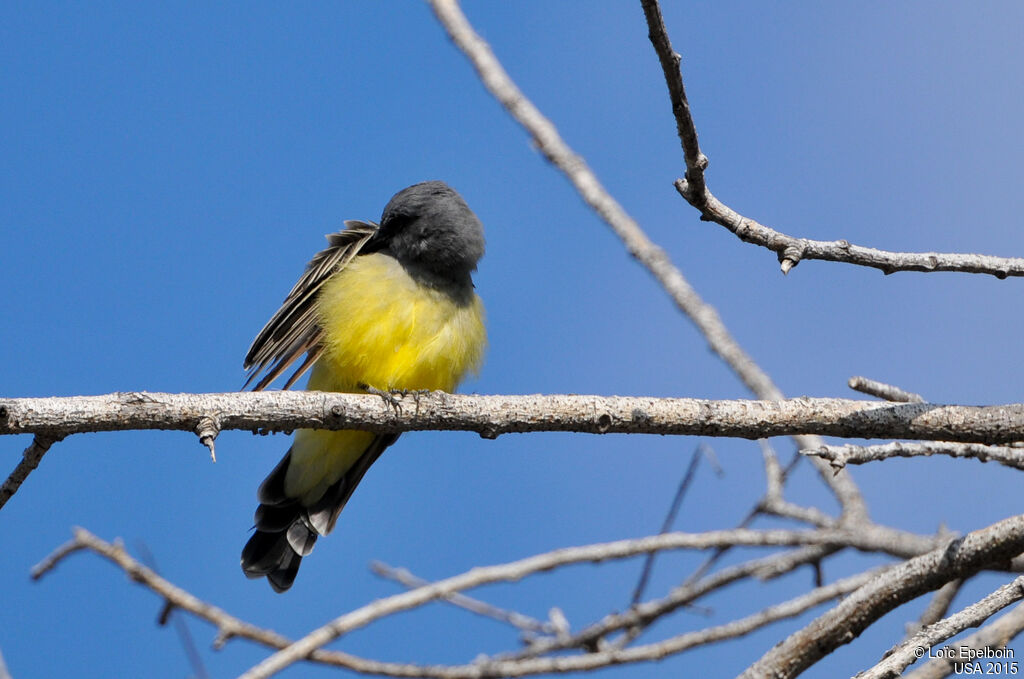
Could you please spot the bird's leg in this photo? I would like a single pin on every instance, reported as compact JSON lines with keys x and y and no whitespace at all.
{"x":415,"y":393}
{"x":389,"y":397}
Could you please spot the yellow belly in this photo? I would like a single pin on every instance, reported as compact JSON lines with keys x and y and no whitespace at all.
{"x":382,"y":329}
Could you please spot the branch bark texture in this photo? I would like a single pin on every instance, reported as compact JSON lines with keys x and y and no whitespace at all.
{"x":999,"y":542}
{"x":493,"y":415}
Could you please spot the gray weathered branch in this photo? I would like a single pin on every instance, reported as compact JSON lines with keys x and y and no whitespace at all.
{"x":524,"y":623}
{"x":29,"y":461}
{"x":998,"y":543}
{"x":883,"y":390}
{"x":876,"y":539}
{"x":790,"y":250}
{"x":902,"y":656}
{"x":840,"y":456}
{"x":484,"y":668}
{"x":493,"y":415}
{"x":821,"y":543}
{"x":992,"y":636}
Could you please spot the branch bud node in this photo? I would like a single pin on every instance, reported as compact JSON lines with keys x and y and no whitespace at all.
{"x":207,"y":430}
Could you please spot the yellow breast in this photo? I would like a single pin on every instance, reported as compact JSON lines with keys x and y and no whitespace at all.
{"x":384,"y":329}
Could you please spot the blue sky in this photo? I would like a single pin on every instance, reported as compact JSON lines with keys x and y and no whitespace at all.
{"x":167,"y":170}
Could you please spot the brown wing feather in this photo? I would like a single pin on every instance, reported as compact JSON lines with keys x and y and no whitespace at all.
{"x":294,"y":330}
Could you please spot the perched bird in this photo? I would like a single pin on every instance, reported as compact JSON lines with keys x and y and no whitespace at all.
{"x":384,"y":308}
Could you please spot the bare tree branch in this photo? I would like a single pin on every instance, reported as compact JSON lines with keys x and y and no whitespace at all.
{"x":641,"y":615}
{"x":871,"y":538}
{"x":670,"y":519}
{"x":790,"y":250}
{"x":846,"y":492}
{"x":995,"y":635}
{"x":840,"y":456}
{"x":775,"y":504}
{"x":696,"y":162}
{"x":484,"y":668}
{"x":903,"y":655}
{"x":883,"y":390}
{"x":998,"y":543}
{"x":29,"y":461}
{"x":56,"y":417}
{"x":227,"y":625}
{"x":522,"y":622}
{"x":823,"y":542}
{"x":493,"y":415}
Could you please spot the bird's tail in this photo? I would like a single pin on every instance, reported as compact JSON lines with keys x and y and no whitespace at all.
{"x":287,"y":528}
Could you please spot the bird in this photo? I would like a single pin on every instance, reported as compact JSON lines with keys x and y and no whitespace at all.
{"x":384,"y":308}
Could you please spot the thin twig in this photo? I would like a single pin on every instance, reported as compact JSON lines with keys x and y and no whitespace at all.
{"x":29,"y":461}
{"x":670,"y":518}
{"x":522,"y":622}
{"x":791,"y":250}
{"x":642,"y":615}
{"x":696,"y":162}
{"x":747,"y":520}
{"x":840,"y":456}
{"x":903,"y":655}
{"x":883,"y":390}
{"x":775,"y":504}
{"x":993,"y":636}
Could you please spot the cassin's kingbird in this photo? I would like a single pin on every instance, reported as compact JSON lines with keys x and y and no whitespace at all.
{"x":383,"y":308}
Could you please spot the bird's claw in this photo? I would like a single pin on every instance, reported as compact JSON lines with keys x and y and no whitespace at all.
{"x":391,"y":398}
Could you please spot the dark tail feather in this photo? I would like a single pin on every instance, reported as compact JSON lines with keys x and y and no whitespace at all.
{"x":270,"y":555}
{"x":282,"y":535}
{"x":286,"y":530}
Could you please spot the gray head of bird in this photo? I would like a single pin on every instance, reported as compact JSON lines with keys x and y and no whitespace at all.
{"x":429,"y":227}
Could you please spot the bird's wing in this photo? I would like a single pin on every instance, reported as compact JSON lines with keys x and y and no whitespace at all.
{"x":295,"y":330}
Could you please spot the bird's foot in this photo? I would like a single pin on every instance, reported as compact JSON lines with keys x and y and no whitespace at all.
{"x":390,"y":398}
